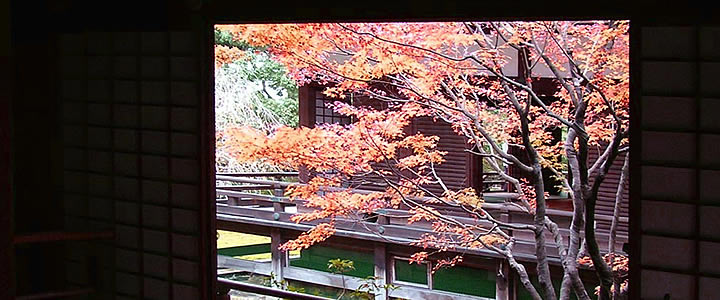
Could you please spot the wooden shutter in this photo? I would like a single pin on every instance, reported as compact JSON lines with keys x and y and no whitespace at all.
{"x":606,"y":194}
{"x":454,"y":171}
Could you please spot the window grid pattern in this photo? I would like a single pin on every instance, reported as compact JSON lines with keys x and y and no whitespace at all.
{"x":327,"y":115}
{"x":680,"y":170}
{"x":130,"y":122}
{"x":130,"y":131}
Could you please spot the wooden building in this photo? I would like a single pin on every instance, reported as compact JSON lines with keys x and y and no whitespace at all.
{"x":461,"y":168}
{"x":380,"y":247}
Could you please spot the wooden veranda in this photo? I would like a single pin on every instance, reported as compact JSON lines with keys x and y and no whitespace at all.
{"x":255,"y":203}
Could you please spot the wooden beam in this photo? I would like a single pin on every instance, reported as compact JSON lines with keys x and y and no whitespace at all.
{"x":279,"y":201}
{"x":260,"y":174}
{"x":306,"y":118}
{"x":393,"y":233}
{"x":251,"y":180}
{"x":502,"y":280}
{"x":335,"y":280}
{"x":245,"y":187}
{"x":352,"y":283}
{"x":381,"y":271}
{"x":306,"y":109}
{"x":263,"y":268}
{"x":227,"y":285}
{"x":475,"y":172}
{"x":555,"y":213}
{"x":252,"y":196}
{"x":393,"y":230}
{"x":277,"y":257}
{"x":487,"y":206}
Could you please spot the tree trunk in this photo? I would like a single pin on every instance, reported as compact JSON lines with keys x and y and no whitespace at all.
{"x":618,"y":204}
{"x":601,"y":268}
{"x":616,"y":216}
{"x":522,"y":273}
{"x":543,"y":268}
{"x":571,"y":279}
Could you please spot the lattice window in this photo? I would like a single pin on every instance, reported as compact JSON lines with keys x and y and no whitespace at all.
{"x":132,"y":160}
{"x":327,"y":115}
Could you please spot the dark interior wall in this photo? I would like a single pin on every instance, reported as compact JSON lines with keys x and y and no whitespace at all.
{"x":673,"y":179}
{"x":677,"y":165}
{"x":106,"y":118}
{"x":36,"y":156}
{"x":6,"y":249}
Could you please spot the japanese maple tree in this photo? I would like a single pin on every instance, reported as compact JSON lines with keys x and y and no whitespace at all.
{"x":456,"y":72}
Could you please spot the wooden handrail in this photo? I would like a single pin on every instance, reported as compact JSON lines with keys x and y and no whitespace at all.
{"x":264,"y":290}
{"x":56,"y":236}
{"x":260,"y":174}
{"x":253,"y":181}
{"x":490,"y":206}
{"x":245,"y":187}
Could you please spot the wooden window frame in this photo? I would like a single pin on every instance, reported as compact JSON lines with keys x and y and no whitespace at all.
{"x":220,"y":14}
{"x":393,"y":278}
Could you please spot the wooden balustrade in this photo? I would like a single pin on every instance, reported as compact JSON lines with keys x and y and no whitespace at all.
{"x":392,"y":221}
{"x":268,"y":207}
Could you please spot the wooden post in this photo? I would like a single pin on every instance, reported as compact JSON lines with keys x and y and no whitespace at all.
{"x":506,"y":218}
{"x":502,"y":282}
{"x":382,"y":219}
{"x":474,"y":172}
{"x":381,"y":271}
{"x":306,"y":112}
{"x":278,"y":191}
{"x":276,"y":255}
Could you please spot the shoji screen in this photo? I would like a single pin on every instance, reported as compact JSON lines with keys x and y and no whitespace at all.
{"x":680,"y":172}
{"x":131,"y":160}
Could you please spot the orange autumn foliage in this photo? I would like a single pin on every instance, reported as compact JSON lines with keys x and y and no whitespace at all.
{"x":314,"y":235}
{"x":225,"y":55}
{"x":620,"y":264}
{"x":450,"y":71}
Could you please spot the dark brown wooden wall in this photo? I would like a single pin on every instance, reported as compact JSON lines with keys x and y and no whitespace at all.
{"x":106,"y":120}
{"x":453,"y":171}
{"x":456,"y":171}
{"x":606,"y":195}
